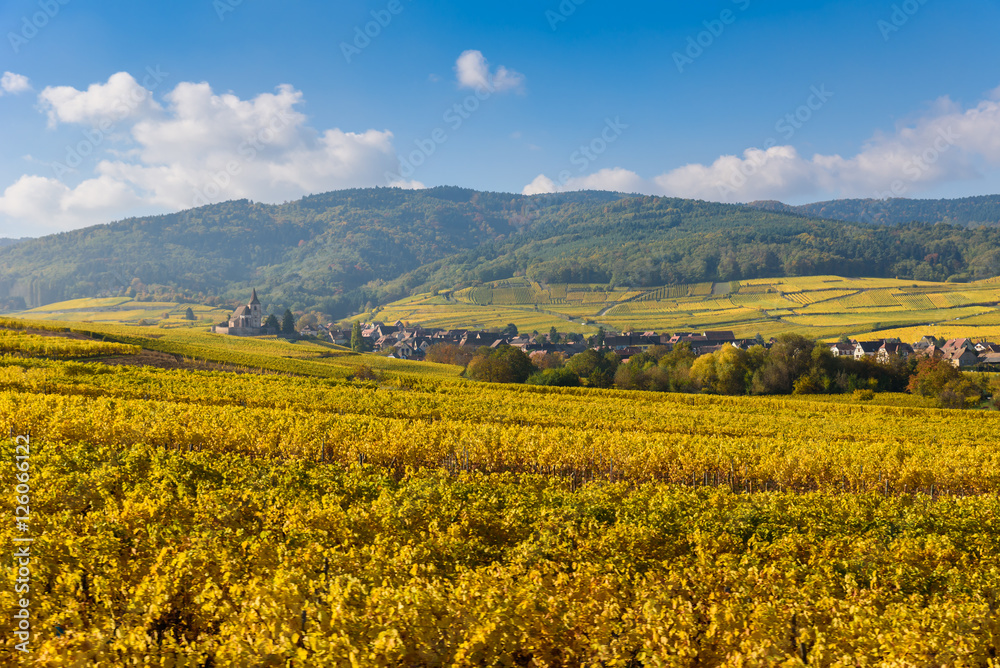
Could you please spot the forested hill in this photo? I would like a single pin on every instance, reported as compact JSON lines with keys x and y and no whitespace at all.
{"x":966,"y":212}
{"x":337,"y":251}
{"x":650,"y":241}
{"x":312,"y":253}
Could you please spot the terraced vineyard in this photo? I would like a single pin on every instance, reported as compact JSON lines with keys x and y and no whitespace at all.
{"x":816,"y":306}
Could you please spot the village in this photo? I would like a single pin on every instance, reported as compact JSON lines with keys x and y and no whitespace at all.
{"x":412,"y":342}
{"x":402,"y":341}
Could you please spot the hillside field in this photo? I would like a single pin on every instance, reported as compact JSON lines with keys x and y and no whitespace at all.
{"x":314,"y":516}
{"x":126,"y":310}
{"x":820,"y":307}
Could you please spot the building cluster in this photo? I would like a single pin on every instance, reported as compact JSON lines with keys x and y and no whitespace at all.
{"x":412,"y":342}
{"x":961,"y":353}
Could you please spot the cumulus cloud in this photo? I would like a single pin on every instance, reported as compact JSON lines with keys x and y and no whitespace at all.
{"x":947,"y":143}
{"x":122,"y":98}
{"x":52,"y":205}
{"x":473,"y":71}
{"x":616,"y":180}
{"x":14,"y":83}
{"x":197,"y":147}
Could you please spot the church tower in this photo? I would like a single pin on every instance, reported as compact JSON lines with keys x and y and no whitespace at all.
{"x":256,"y":313}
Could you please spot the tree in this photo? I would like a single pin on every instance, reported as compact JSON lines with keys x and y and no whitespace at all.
{"x":548,"y":360}
{"x":189,"y":314}
{"x":722,"y":372}
{"x":597,"y":367}
{"x":931,"y":377}
{"x":554,"y":378}
{"x":358,"y":343}
{"x":553,"y":335}
{"x":308,"y":320}
{"x":271,"y":323}
{"x":450,"y":353}
{"x":509,"y":330}
{"x":503,"y":364}
{"x":788,"y":358}
{"x":288,"y":322}
{"x":599,"y":337}
{"x":939,"y":378}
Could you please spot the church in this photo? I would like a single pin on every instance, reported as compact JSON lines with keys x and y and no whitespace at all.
{"x":247,"y":320}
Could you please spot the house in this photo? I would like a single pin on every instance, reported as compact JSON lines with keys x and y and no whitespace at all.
{"x":247,"y":320}
{"x":891,"y":350}
{"x":863,"y":349}
{"x":843,"y":349}
{"x":989,"y":360}
{"x":340,"y":337}
{"x":719,"y":337}
{"x":961,"y":357}
{"x":952,"y":345}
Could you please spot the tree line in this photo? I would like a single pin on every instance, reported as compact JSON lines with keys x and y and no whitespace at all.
{"x":793,"y":364}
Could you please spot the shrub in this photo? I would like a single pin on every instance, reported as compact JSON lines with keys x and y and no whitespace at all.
{"x":554,"y":378}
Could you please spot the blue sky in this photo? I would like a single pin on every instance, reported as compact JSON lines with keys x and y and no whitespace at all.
{"x":115,"y":109}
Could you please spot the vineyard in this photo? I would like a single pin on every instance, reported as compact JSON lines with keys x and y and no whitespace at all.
{"x":17,"y":342}
{"x":210,"y":518}
{"x":823,"y":307}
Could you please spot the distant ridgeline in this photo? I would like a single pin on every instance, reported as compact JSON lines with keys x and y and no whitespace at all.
{"x":965,"y":212}
{"x":342,"y":251}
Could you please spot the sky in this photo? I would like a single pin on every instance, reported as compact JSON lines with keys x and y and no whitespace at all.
{"x":117,"y":109}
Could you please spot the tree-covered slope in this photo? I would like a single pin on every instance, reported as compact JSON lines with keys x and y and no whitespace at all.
{"x":309,"y":253}
{"x":337,"y":251}
{"x":648,"y":241}
{"x":966,"y":212}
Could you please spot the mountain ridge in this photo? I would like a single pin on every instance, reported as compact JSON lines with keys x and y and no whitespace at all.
{"x":977,"y":211}
{"x":341,"y":251}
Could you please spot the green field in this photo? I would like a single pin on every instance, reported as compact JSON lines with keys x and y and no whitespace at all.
{"x":817,"y":306}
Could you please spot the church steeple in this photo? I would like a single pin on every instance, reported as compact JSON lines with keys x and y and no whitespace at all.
{"x":256,"y":311}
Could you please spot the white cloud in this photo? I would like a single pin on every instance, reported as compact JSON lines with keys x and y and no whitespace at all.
{"x":122,"y":98}
{"x":51,"y":205}
{"x":198,"y":147}
{"x":948,"y":143}
{"x":542,"y":185}
{"x":616,"y":180}
{"x":473,"y":71}
{"x":14,"y":83}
